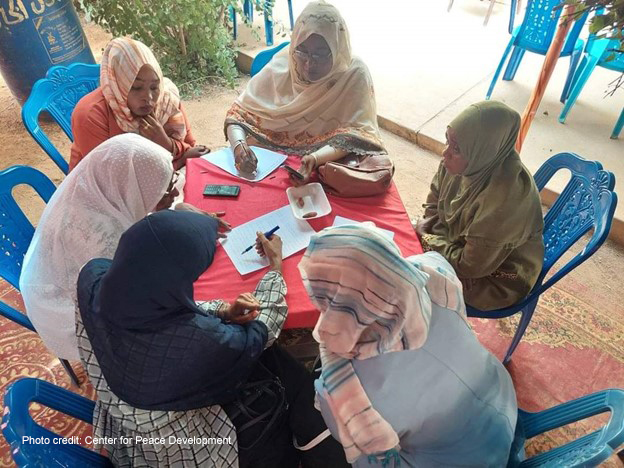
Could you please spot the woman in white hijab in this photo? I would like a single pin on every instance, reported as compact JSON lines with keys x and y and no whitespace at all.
{"x":404,"y":379}
{"x":117,"y":184}
{"x":313,"y":99}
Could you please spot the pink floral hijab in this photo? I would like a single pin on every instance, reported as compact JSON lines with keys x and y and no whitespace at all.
{"x":121,"y":62}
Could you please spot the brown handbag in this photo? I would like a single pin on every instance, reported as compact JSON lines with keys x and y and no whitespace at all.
{"x":357,"y":176}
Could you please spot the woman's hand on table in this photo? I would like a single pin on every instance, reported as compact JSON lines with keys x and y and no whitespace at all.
{"x":244,"y":309}
{"x":224,"y":226}
{"x":244,"y":158}
{"x":308,"y":164}
{"x":271,"y":249}
{"x":153,"y":130}
{"x":196,"y":152}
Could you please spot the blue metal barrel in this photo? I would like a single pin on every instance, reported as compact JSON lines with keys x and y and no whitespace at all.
{"x":35,"y":35}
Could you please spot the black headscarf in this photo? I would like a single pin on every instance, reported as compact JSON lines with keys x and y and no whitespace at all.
{"x":156,"y":349}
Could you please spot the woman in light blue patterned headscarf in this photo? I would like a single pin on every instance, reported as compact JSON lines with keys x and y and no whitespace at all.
{"x":403,"y":376}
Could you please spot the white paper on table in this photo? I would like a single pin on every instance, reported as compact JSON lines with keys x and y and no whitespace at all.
{"x":295,"y":235}
{"x":340,"y":221}
{"x":268,"y":161}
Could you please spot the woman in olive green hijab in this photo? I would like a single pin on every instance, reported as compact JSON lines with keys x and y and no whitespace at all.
{"x":483,"y":212}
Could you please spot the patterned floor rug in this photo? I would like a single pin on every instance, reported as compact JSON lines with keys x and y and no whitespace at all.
{"x":571,"y":348}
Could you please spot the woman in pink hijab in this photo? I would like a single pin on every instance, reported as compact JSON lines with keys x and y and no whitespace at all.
{"x":133,"y":97}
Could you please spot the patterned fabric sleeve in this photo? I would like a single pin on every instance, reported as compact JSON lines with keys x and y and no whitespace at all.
{"x":271,"y":293}
{"x":215,"y":307}
{"x":117,"y":425}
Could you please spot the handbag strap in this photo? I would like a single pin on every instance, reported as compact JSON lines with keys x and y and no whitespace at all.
{"x":269,"y":387}
{"x":275,"y":411}
{"x":313,"y":443}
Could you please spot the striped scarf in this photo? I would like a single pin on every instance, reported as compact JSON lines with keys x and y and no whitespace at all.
{"x":372,"y":301}
{"x":121,"y":62}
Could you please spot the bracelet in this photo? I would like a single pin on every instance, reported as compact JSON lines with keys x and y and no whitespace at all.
{"x":221,"y":310}
{"x":239,"y":142}
{"x":315,"y":160}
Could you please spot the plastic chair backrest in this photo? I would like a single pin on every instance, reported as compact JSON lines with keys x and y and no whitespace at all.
{"x":540,"y":24}
{"x":606,"y":50}
{"x":16,"y":231}
{"x":589,"y":450}
{"x":609,"y":58}
{"x":58,"y":93}
{"x":512,"y":15}
{"x":265,"y":57}
{"x":18,"y":423}
{"x":587,"y":201}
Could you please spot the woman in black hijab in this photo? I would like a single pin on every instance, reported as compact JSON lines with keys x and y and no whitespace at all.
{"x":167,"y":367}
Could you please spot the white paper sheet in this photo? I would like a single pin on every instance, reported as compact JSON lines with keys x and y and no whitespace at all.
{"x":295,"y":236}
{"x":340,"y":221}
{"x":268,"y":161}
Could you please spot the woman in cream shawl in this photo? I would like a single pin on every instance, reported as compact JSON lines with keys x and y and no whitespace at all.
{"x":117,"y":184}
{"x":404,"y":378}
{"x":313,"y":99}
{"x":483,"y":212}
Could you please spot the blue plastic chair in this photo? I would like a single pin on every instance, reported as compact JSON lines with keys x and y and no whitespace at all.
{"x":268,"y":17}
{"x":58,"y":93}
{"x":589,"y":450}
{"x":512,"y":13}
{"x":16,"y":233}
{"x":618,"y":126}
{"x":588,"y":201}
{"x":265,"y":57}
{"x":535,"y":34}
{"x":18,"y":423}
{"x":599,"y":53}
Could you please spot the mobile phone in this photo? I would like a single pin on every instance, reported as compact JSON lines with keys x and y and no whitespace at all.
{"x":221,"y":190}
{"x":293,"y":172}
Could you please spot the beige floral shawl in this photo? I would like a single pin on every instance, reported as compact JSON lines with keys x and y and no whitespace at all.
{"x":285,"y":112}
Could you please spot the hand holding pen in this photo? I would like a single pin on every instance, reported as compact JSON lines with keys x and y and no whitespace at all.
{"x":267,"y":234}
{"x":271,"y":248}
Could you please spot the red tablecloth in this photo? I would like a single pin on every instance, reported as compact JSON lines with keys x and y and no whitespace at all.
{"x":222,"y":281}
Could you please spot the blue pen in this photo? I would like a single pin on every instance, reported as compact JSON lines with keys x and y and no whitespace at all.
{"x":266,"y":234}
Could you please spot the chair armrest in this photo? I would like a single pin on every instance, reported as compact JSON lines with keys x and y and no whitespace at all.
{"x":18,"y":423}
{"x":30,"y":120}
{"x":64,"y":401}
{"x":575,"y":410}
{"x":22,"y":392}
{"x":16,"y":316}
{"x":40,"y":137}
